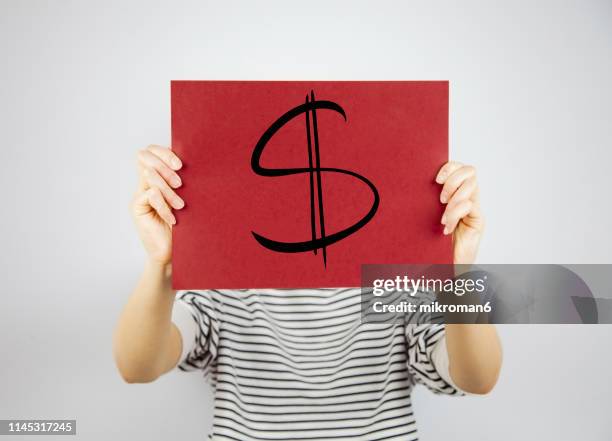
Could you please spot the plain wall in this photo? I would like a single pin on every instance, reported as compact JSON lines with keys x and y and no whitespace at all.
{"x":85,"y":84}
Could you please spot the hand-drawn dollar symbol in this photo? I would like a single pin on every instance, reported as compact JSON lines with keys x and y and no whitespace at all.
{"x":314,"y":169}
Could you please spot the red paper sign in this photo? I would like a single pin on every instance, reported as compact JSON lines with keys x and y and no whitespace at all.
{"x":297,"y":183}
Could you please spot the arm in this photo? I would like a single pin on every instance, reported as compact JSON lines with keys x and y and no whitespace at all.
{"x":474,"y":350}
{"x":146,"y":344}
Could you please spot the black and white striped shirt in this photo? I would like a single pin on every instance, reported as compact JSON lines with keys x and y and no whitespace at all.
{"x":301,"y":365}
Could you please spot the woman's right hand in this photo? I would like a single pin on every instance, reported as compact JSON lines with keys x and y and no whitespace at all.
{"x":155,"y":199}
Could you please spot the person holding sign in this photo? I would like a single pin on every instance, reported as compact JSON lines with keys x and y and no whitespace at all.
{"x":297,"y":364}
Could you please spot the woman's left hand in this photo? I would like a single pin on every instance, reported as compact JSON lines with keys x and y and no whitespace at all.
{"x":462,"y":216}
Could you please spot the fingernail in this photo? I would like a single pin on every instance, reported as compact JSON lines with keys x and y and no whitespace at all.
{"x":180,"y":203}
{"x":443,"y":198}
{"x":445,"y":231}
{"x":173,"y":220}
{"x":440,"y":178}
{"x":176,"y":181}
{"x":176,"y":163}
{"x":443,"y":221}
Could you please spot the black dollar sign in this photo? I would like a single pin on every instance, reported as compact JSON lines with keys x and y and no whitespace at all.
{"x":314,"y":170}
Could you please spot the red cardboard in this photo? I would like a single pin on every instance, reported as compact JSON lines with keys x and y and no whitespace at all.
{"x":293,"y":184}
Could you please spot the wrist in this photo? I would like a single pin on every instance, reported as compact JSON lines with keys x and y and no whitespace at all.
{"x":465,"y":253}
{"x":161,"y":271}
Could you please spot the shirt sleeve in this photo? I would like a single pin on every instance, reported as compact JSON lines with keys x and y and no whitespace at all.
{"x":196,"y":317}
{"x":428,"y":358}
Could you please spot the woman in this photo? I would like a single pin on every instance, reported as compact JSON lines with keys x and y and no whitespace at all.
{"x":297,"y":364}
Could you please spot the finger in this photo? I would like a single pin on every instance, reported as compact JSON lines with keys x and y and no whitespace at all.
{"x":147,"y":159}
{"x":140,"y":204}
{"x":454,"y":213}
{"x":454,"y":181}
{"x":474,"y":218}
{"x":466,"y":190}
{"x":168,"y":156}
{"x":446,"y":170}
{"x":155,"y":180}
{"x":157,"y":201}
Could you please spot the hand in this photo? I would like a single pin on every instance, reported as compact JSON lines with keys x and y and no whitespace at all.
{"x":462,"y":216}
{"x":154,"y":200}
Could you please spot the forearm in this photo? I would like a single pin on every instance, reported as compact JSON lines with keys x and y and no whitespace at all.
{"x":475,"y":356}
{"x":146,"y":344}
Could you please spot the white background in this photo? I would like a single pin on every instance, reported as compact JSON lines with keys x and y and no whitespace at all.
{"x":85,"y":84}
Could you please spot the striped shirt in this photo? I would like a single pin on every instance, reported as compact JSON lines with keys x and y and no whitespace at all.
{"x":301,"y":365}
